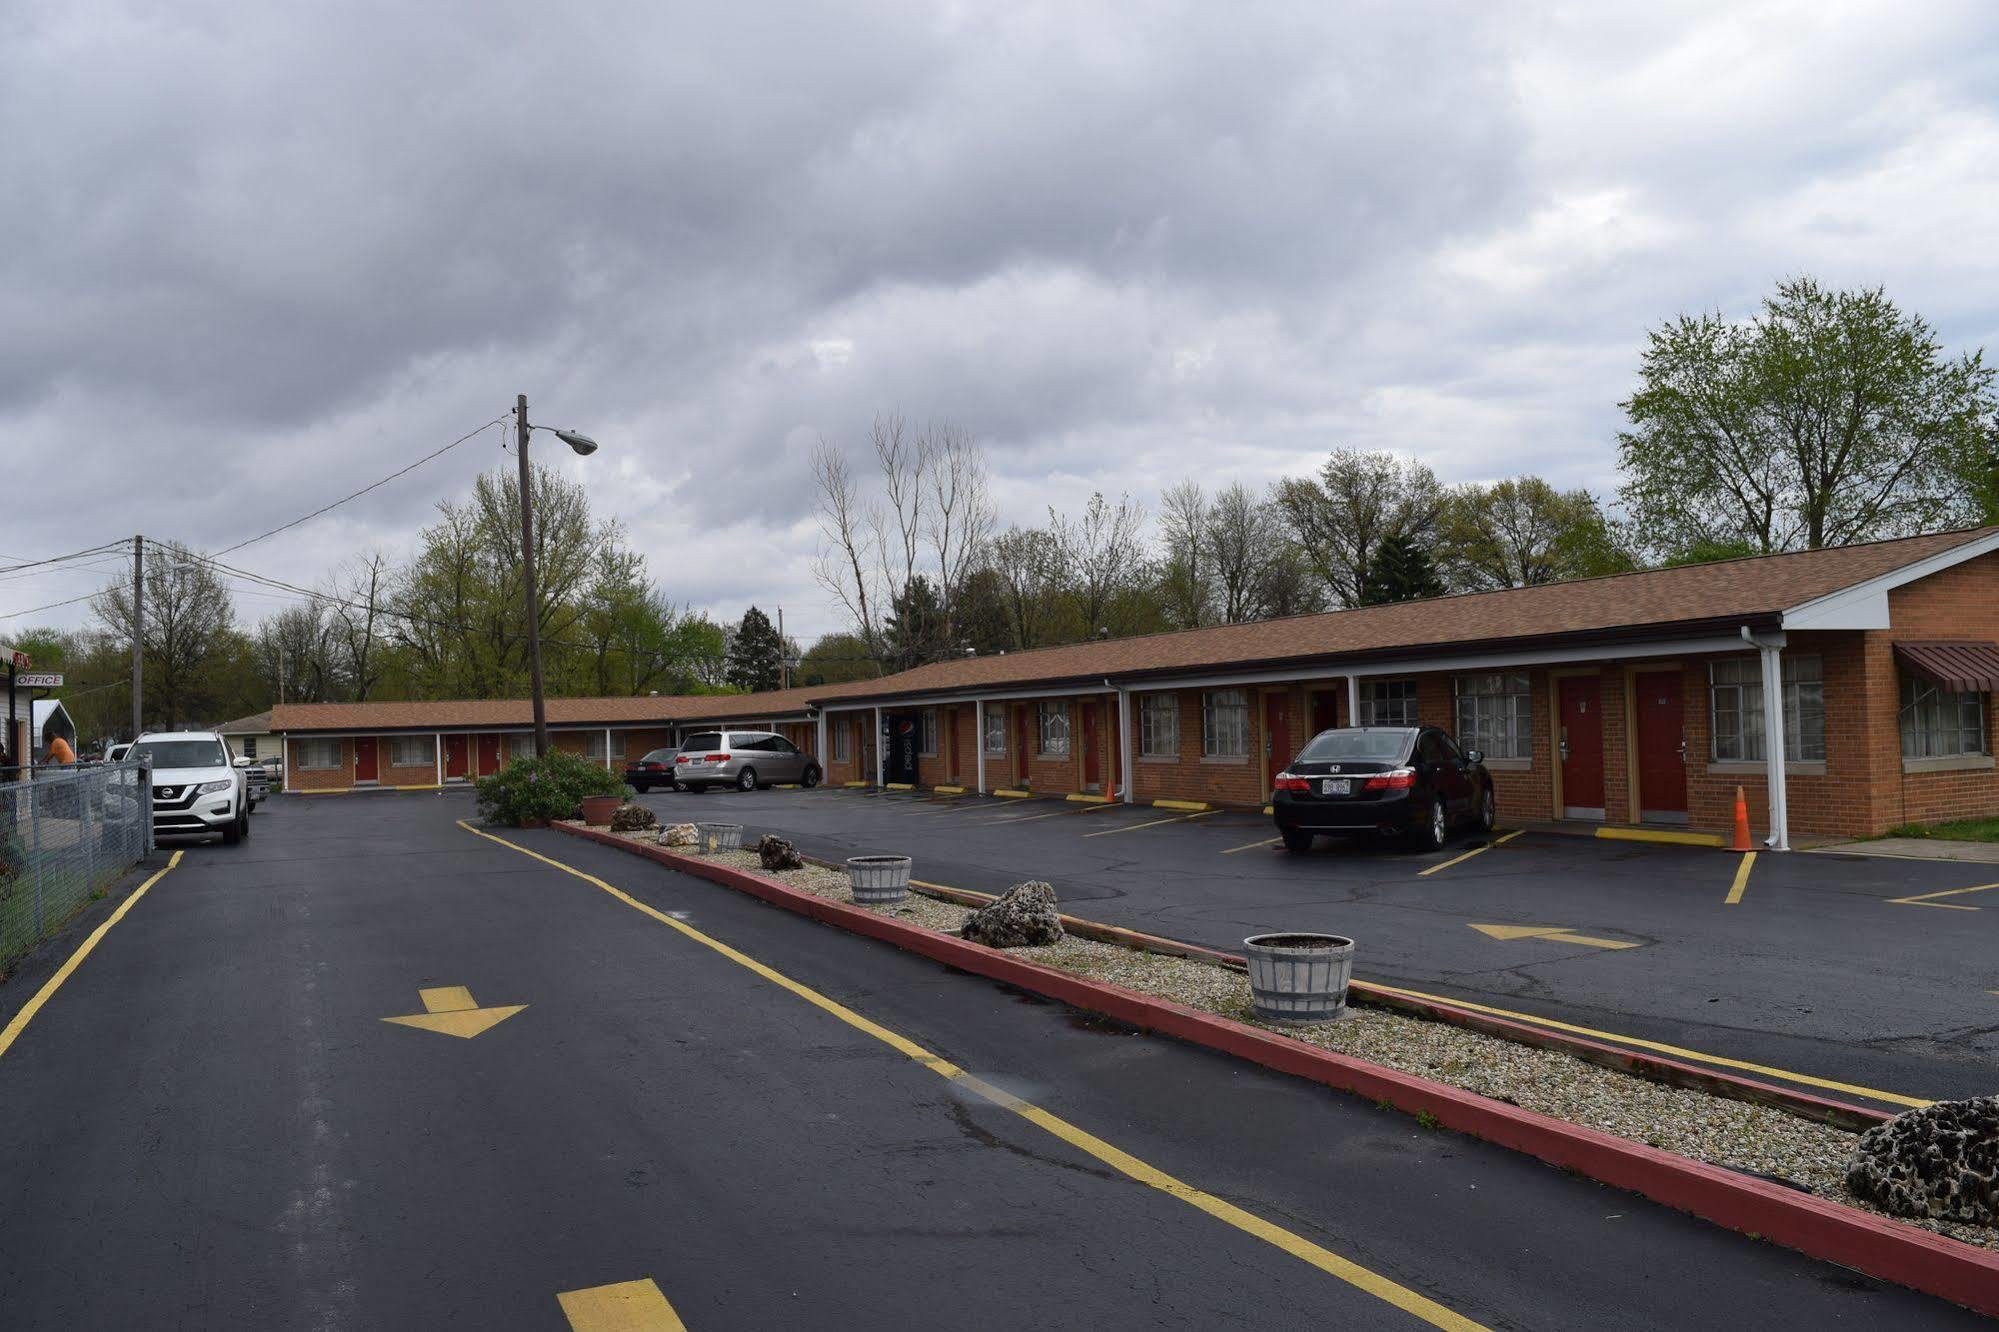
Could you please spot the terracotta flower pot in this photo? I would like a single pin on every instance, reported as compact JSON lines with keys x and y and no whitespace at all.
{"x":597,"y":810}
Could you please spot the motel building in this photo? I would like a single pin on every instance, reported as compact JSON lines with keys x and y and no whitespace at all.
{"x":1847,"y":691}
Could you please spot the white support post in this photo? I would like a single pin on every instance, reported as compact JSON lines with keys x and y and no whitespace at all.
{"x":1353,"y":700}
{"x":438,"y":736}
{"x":821,"y":755}
{"x":979,"y":738}
{"x":1124,"y":744}
{"x":881,"y":753}
{"x":1773,"y":747}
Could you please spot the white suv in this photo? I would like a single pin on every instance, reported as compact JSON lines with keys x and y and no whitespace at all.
{"x":197,"y":789}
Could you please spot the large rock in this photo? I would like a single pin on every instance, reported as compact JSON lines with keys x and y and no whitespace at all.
{"x":632,"y":818}
{"x":1941,"y":1162}
{"x":680,"y":834}
{"x":1023,"y":917}
{"x":774,"y":853}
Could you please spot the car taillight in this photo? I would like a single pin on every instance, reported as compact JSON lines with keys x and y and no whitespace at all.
{"x":654,"y":767}
{"x":718,"y":758}
{"x":1396,"y":779}
{"x":683,"y":758}
{"x":1286,"y":782}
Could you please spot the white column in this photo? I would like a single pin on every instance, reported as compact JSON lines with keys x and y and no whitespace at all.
{"x":607,"y":749}
{"x":1124,"y":744}
{"x":979,"y":738}
{"x":1773,"y":747}
{"x":881,"y":753}
{"x":1353,"y":700}
{"x":822,"y":756}
{"x":438,"y":736}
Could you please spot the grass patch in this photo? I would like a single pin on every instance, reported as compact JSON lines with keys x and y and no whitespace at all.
{"x":1958,"y":830}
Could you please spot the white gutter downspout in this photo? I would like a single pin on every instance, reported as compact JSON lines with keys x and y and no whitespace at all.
{"x":1773,"y":740}
{"x":881,"y":753}
{"x":438,"y":736}
{"x":979,"y":738}
{"x":1125,"y":774}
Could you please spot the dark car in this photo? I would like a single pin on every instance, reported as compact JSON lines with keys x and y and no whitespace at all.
{"x":654,"y":769}
{"x":1410,"y":781}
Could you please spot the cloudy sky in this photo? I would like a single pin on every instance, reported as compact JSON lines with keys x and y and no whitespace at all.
{"x":255,"y":256}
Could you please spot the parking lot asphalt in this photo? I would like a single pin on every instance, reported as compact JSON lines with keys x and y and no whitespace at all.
{"x":211,"y":1125}
{"x":1816,"y":974}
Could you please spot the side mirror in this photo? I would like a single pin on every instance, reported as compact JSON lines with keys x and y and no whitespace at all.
{"x":243,"y":762}
{"x":1474,"y":756}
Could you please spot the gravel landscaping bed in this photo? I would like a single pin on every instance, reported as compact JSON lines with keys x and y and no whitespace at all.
{"x":1733,"y":1134}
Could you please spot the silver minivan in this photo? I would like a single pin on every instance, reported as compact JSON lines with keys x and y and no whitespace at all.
{"x":745,"y":760}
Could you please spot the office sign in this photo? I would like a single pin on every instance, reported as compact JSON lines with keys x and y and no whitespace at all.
{"x":38,"y":679}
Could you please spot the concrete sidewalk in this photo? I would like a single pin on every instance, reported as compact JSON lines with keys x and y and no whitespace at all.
{"x":1920,"y":848}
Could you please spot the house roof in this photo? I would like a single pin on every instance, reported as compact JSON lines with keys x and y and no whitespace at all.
{"x":511,"y":713}
{"x":258,"y":723}
{"x":1682,"y":601}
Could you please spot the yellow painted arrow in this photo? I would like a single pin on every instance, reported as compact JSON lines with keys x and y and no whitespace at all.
{"x":1558,"y":933}
{"x":449,"y":1009}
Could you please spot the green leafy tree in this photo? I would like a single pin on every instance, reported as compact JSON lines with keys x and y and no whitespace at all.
{"x":1342,"y":518}
{"x":756,"y":653}
{"x":1523,"y":532}
{"x":1830,"y":417}
{"x":1401,"y":570}
{"x":190,"y":640}
{"x":836,"y":659}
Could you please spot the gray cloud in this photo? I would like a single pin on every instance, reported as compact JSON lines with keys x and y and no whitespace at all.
{"x":257,"y":256}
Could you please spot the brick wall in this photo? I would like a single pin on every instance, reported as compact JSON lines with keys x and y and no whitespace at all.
{"x":1189,"y":776}
{"x":858,"y":766}
{"x":298,"y":778}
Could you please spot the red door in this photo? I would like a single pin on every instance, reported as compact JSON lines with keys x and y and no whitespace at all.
{"x":1093,"y":773}
{"x":1581,"y":741}
{"x":1276,"y":735}
{"x":1325,"y":711}
{"x":489,"y":755}
{"x":364,"y":758}
{"x":454,"y":757}
{"x":1662,"y":735}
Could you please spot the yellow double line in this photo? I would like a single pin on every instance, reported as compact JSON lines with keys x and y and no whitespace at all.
{"x":1361,"y":1278}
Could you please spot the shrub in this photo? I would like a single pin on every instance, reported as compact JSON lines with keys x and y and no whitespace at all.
{"x":550,"y":787}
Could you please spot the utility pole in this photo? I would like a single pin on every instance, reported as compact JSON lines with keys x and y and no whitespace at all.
{"x":138,"y":636}
{"x":527,"y":576}
{"x":783,"y":653}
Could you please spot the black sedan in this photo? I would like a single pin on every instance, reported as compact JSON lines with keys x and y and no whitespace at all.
{"x":655,"y":769}
{"x":1410,"y":781}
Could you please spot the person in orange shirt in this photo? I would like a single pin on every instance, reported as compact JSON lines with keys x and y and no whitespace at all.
{"x":60,"y":752}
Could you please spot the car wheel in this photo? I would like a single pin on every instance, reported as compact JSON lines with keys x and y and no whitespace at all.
{"x":1436,"y":831}
{"x":746,"y":780}
{"x":642,"y":787}
{"x":1488,"y":814}
{"x":809,"y":778}
{"x":1297,"y":840}
{"x":234,"y":832}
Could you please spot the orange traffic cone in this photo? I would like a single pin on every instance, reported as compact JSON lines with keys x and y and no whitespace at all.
{"x":1741,"y":823}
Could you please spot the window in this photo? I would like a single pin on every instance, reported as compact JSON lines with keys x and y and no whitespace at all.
{"x":780,"y":745}
{"x":843,"y":742}
{"x":249,"y":746}
{"x":412,"y":751}
{"x":157,"y":754}
{"x":1735,"y":701}
{"x":1225,"y":723}
{"x":995,"y":737}
{"x":926,"y":732}
{"x":1937,"y":723}
{"x":317,"y":755}
{"x":1054,"y":729}
{"x":1159,"y":726}
{"x":1387,"y":703}
{"x":520,"y":745}
{"x":594,"y":745}
{"x":1495,"y":714}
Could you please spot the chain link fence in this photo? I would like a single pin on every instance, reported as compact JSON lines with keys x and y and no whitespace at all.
{"x":65,"y":833}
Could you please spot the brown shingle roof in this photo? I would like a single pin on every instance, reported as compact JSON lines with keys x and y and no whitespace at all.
{"x":518,"y":713}
{"x":1654,"y":601}
{"x":258,"y":723}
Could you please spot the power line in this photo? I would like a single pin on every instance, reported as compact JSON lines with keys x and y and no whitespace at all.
{"x":365,"y":489}
{"x":58,"y":559}
{"x":13,"y":615}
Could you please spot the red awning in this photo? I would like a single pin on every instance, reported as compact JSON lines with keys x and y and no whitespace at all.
{"x":1963,"y":666}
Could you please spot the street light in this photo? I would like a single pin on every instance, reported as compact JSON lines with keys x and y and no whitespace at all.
{"x":584,"y":446}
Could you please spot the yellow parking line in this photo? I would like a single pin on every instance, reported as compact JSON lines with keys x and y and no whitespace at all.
{"x":1134,"y":827}
{"x":1361,"y":1278}
{"x":1924,"y":899}
{"x":52,"y":984}
{"x":1475,"y":851}
{"x":628,"y":1306}
{"x":1251,"y":846}
{"x":1660,"y":1047}
{"x":1741,"y":883}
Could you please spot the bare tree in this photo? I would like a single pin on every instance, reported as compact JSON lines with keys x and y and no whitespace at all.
{"x":1186,"y":583}
{"x":1357,"y":502}
{"x":358,"y":604}
{"x":1245,"y":541}
{"x":294,"y":651}
{"x":961,"y":510}
{"x":188,"y":629}
{"x":848,"y":557}
{"x":1102,"y":554}
{"x":1027,"y":564}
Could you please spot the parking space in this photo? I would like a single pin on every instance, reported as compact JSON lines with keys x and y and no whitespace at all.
{"x":1857,"y":976}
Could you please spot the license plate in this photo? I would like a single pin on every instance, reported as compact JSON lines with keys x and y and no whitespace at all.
{"x":1336,"y":786}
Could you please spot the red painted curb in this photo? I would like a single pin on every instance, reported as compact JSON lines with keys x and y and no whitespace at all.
{"x":1877,"y":1246}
